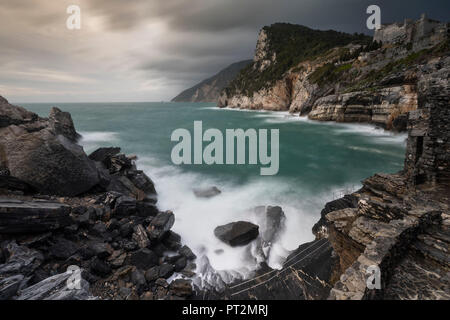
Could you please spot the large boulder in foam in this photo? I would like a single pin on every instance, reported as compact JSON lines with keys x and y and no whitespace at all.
{"x":237,"y":233}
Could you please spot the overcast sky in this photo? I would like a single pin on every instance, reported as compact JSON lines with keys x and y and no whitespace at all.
{"x":150,"y":50}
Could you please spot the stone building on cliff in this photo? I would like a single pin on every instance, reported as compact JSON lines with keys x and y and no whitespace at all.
{"x":424,"y":32}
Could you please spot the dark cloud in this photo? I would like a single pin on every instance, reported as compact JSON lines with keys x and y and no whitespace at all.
{"x":151,"y":49}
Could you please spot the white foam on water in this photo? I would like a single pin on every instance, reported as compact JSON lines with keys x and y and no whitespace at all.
{"x":196,"y":218}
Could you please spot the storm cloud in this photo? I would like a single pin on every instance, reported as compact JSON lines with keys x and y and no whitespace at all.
{"x":149,"y":50}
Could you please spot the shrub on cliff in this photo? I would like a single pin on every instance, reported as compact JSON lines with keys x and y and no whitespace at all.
{"x":290,"y":44}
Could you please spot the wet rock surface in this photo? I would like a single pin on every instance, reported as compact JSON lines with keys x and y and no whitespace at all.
{"x":237,"y":233}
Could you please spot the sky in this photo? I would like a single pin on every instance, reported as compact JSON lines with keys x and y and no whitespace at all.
{"x":150,"y":50}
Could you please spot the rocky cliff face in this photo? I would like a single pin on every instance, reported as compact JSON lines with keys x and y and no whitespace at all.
{"x":400,"y":223}
{"x":209,"y":89}
{"x":352,"y":83}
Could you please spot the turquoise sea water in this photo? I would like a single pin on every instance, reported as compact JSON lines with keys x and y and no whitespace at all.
{"x":316,"y":160}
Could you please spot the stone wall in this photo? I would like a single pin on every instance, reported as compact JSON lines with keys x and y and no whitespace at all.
{"x":428,"y":149}
{"x":424,"y":31}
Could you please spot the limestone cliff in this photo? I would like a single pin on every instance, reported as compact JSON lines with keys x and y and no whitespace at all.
{"x":355,"y":80}
{"x":209,"y":90}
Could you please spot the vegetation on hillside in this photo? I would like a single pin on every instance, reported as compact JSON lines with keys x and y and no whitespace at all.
{"x":291,"y":44}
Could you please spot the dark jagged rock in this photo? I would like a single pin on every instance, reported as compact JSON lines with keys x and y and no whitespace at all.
{"x":152,"y":274}
{"x":124,"y":207}
{"x":166,"y":270}
{"x":140,"y":236}
{"x":348,"y":201}
{"x":18,"y":216}
{"x":63,"y":249}
{"x":100,"y":267}
{"x":104,"y":232}
{"x":237,"y":233}
{"x":143,"y":259}
{"x":187,"y":252}
{"x":161,"y":224}
{"x":104,"y":155}
{"x":172,"y":240}
{"x":207,"y":192}
{"x":142,"y":182}
{"x":180,"y":264}
{"x":42,"y":152}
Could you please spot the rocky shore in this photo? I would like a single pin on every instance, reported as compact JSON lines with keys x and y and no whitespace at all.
{"x":398,"y":224}
{"x":69,"y":220}
{"x":374,"y":83}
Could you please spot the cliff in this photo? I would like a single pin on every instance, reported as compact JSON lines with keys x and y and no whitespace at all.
{"x":401,"y":222}
{"x":209,"y":90}
{"x":396,"y":223}
{"x":350,"y":79}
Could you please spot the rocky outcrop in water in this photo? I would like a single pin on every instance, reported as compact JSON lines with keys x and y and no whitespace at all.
{"x":237,"y":233}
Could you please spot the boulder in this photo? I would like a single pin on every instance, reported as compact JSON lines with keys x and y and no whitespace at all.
{"x":143,"y":259}
{"x":51,"y":163}
{"x":125,"y":206}
{"x":141,"y":181}
{"x":237,"y":233}
{"x":180,"y":264}
{"x":172,"y":240}
{"x":100,"y":267}
{"x":207,"y":192}
{"x":18,"y":216}
{"x":166,"y":270}
{"x":63,"y":249}
{"x":187,"y":252}
{"x":161,"y":224}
